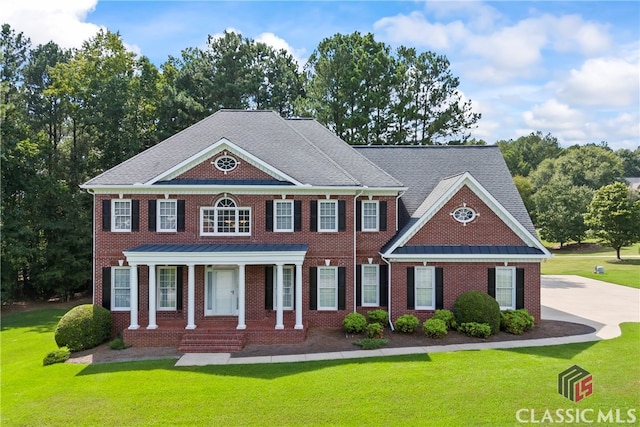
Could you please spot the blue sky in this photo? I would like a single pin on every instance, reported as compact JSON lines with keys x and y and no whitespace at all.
{"x":571,"y":69}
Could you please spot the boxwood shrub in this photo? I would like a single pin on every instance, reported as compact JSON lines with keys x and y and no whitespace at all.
{"x":379,"y":316}
{"x":476,"y":306}
{"x":516,"y":321}
{"x":434,"y":328}
{"x":446,"y":316}
{"x":407,"y":323}
{"x":474,"y":329}
{"x":60,"y":355}
{"x":354,"y":323}
{"x":84,"y":326}
{"x":374,"y":330}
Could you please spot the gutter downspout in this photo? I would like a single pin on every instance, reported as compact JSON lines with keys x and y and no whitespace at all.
{"x":355,"y":265}
{"x":388,"y":292}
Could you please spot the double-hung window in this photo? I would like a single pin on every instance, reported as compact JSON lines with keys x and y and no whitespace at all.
{"x":167,"y":288}
{"x":167,"y":212}
{"x":424,"y":282}
{"x":370,"y":216}
{"x":327,"y":288}
{"x":121,"y":215}
{"x":327,"y":215}
{"x":283,"y":218}
{"x":120,"y":288}
{"x":226,"y":218}
{"x":370,"y":281}
{"x":505,"y":287}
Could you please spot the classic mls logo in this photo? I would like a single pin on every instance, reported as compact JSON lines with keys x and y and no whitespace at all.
{"x":575,"y":383}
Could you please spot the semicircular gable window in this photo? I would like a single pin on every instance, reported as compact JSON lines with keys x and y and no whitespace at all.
{"x":464,"y":214}
{"x":226,"y":163}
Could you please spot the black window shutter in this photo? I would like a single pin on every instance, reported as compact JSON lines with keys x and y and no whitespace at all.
{"x":342,"y":288}
{"x":179,"y":288}
{"x":358,"y":215}
{"x":135,"y":215}
{"x":358,"y":284}
{"x":519,"y":288}
{"x":342,"y":215}
{"x":313,"y":288}
{"x":106,"y":215}
{"x":268,"y":287}
{"x":106,"y":287}
{"x":268,"y":220}
{"x":313,"y":215}
{"x":491,"y":283}
{"x":152,"y":215}
{"x":181,"y":214}
{"x":384,"y":285}
{"x":411,"y":300}
{"x":297,"y":215}
{"x":383,"y":215}
{"x":439,"y":289}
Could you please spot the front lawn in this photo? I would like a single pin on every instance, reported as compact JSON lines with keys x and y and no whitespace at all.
{"x":463,"y":388}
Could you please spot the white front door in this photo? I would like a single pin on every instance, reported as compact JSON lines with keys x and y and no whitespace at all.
{"x":221,"y":293}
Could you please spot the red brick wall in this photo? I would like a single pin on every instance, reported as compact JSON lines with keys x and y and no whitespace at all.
{"x":208,"y":170}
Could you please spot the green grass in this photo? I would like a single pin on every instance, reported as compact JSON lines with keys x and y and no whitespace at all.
{"x":462,"y":388}
{"x":582,"y":262}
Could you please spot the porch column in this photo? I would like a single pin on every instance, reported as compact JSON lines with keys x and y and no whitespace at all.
{"x":152,"y":297}
{"x":191,"y":297}
{"x":241,"y":298}
{"x":298,"y":307}
{"x":279,"y":296}
{"x":133,"y":299}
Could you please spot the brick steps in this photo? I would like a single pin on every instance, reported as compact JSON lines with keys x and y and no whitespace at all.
{"x":204,"y":341}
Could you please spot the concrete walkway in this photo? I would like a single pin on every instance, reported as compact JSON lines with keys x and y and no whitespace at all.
{"x":568,"y":298}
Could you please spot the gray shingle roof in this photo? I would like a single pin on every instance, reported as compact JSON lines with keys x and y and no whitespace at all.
{"x":422,"y":168}
{"x":302,"y":149}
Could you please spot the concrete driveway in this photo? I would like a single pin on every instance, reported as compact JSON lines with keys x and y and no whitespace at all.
{"x":592,"y":302}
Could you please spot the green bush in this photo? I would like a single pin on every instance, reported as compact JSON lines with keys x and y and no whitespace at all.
{"x":84,"y":326}
{"x":60,"y":355}
{"x":374,"y":330}
{"x":354,"y":323}
{"x":446,"y":316}
{"x":379,"y":316}
{"x":516,"y":321}
{"x":371,"y":343}
{"x":434,"y":328}
{"x":474,"y":329}
{"x":476,"y":306}
{"x":118,"y":344}
{"x":407,"y":323}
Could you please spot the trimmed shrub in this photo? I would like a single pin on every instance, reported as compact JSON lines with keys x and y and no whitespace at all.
{"x":379,"y":316}
{"x":354,"y":323}
{"x":476,"y":306}
{"x":474,"y":329}
{"x":446,"y":316}
{"x":371,"y":343}
{"x":374,"y":330}
{"x":407,"y":323}
{"x":84,"y":326}
{"x":516,"y":322}
{"x":60,"y":355}
{"x":434,"y":328}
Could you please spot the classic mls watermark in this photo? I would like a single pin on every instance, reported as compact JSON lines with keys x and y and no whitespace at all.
{"x":576,"y":383}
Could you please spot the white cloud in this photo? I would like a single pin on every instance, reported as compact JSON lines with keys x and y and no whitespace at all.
{"x":553,"y":115}
{"x":61,"y":21}
{"x":416,"y":30}
{"x":278,"y":43}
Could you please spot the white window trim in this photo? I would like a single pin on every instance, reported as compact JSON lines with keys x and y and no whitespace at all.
{"x":432,"y":272}
{"x":158,"y":288}
{"x":158,"y":216}
{"x":335,"y":215}
{"x":113,"y":216}
{"x":275,"y":284}
{"x":113,"y":289}
{"x":513,"y":287}
{"x":335,"y":287}
{"x":275,"y":215}
{"x":377,"y":301}
{"x":377,"y":204}
{"x":215,"y":221}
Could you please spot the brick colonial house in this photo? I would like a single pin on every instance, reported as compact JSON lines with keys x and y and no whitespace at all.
{"x":250,"y":228}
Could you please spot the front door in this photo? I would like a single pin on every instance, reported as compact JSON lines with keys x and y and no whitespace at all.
{"x":221,"y":295}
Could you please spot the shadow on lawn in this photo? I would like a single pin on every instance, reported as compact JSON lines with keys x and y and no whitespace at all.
{"x":39,"y":321}
{"x":561,"y":351}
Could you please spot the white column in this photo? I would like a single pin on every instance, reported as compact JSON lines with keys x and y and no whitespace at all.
{"x":133,"y":298}
{"x":191,"y":297}
{"x":241,"y":298}
{"x":152,"y":297}
{"x":298,"y":307}
{"x":279,"y":296}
